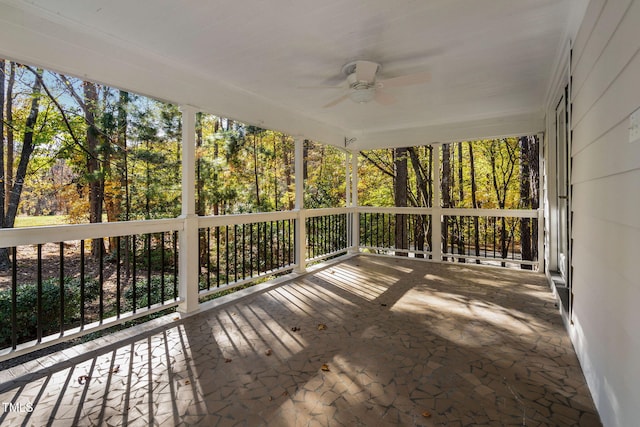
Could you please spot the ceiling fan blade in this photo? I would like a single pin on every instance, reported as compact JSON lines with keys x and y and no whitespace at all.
{"x":408,"y":80}
{"x":384,"y":98}
{"x":336,"y":101}
{"x":321,"y":87}
{"x":366,"y":71}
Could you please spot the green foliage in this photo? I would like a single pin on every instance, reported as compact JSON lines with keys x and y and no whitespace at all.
{"x":27,"y":303}
{"x":325,"y":185}
{"x":496,"y":170}
{"x":142,"y":292}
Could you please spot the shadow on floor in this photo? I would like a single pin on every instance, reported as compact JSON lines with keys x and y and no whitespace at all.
{"x":368,"y":341}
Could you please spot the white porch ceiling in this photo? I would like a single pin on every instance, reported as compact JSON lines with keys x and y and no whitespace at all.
{"x":491,"y":61}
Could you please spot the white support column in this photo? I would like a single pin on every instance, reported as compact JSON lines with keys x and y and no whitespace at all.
{"x":188,"y":240}
{"x":301,"y":232}
{"x":436,"y":218}
{"x":355,"y":221}
{"x":347,"y":178}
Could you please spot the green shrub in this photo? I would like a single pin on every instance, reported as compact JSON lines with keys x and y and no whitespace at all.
{"x":156,"y":292}
{"x":27,"y":303}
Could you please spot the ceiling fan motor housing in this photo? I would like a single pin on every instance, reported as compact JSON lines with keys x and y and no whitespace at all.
{"x":356,"y":84}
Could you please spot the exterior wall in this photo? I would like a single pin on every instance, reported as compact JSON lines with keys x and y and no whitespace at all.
{"x":605,"y":69}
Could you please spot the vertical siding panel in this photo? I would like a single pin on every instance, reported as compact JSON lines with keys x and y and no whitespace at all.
{"x":610,"y":62}
{"x":586,"y":29}
{"x":600,"y":36}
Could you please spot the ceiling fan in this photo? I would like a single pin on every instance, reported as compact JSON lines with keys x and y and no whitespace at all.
{"x":364,"y":86}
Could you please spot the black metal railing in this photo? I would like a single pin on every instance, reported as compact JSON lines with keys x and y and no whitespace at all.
{"x":326,"y":236}
{"x":396,"y":233}
{"x":55,"y":288}
{"x":240,"y":252}
{"x":498,"y":240}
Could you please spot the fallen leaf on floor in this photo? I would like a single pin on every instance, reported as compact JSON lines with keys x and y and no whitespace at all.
{"x":285,"y":393}
{"x":426,"y":414}
{"x":325,"y":367}
{"x":270,"y":398}
{"x":227,"y":360}
{"x":115,"y":369}
{"x":83,"y":379}
{"x":268,"y":352}
{"x":176,"y":318}
{"x":383,"y":305}
{"x":187,"y":382}
{"x":295,"y":329}
{"x":322,"y":326}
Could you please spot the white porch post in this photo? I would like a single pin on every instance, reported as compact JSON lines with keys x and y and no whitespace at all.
{"x":436,"y":217}
{"x":347,"y":178}
{"x":188,"y":252}
{"x":301,"y":237}
{"x":355,"y":217}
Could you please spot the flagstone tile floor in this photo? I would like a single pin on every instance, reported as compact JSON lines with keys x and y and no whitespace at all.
{"x":369,"y":341}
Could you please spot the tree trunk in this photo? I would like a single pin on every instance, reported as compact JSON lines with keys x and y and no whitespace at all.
{"x":305,"y":157}
{"x":216,"y":153}
{"x":474,"y":202}
{"x":21,"y":172}
{"x":10,"y":145}
{"x":460,"y":175}
{"x":25,"y":155}
{"x":534,"y":168}
{"x":122,"y":132}
{"x":94,"y":171}
{"x":2,"y":169}
{"x":446,"y":194}
{"x":286,"y":159}
{"x":422,"y":190}
{"x":525,"y":201}
{"x":256,"y":176}
{"x":400,"y":193}
{"x":506,"y":169}
{"x":200,"y":208}
{"x":460,"y":220}
{"x":275,"y":174}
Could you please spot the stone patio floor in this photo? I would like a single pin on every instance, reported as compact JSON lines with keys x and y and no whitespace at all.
{"x":368,"y":341}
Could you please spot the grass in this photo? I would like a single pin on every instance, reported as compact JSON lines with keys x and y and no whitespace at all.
{"x":38,"y":221}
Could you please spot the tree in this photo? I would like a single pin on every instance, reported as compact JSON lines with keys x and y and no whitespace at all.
{"x":6,"y":173}
{"x":28,"y":145}
{"x":474,"y":201}
{"x":423,"y":190}
{"x":445,"y":192}
{"x":2,"y":169}
{"x":529,"y":182}
{"x":400,"y":191}
{"x":502,"y":155}
{"x":94,"y":170}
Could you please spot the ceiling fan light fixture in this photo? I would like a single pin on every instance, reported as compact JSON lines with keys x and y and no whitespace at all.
{"x":362,"y":96}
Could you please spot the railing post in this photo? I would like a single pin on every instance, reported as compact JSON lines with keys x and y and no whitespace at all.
{"x":188,"y":237}
{"x":301,"y":232}
{"x":355,"y":216}
{"x":436,"y":216}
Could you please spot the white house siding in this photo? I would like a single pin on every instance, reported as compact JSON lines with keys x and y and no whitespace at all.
{"x":606,"y":207}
